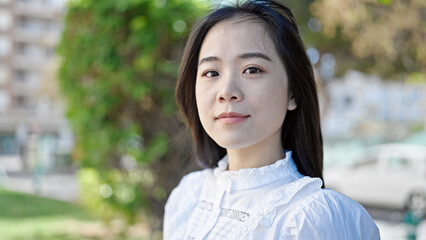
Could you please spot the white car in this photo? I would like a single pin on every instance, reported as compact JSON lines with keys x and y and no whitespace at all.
{"x":388,"y":175}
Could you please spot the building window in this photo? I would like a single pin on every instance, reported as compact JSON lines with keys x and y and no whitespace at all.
{"x":24,"y":102}
{"x":5,"y":46}
{"x":4,"y":100}
{"x":4,"y":1}
{"x":21,"y":75}
{"x":8,"y":144}
{"x":30,"y":50}
{"x":5,"y":20}
{"x":20,"y":48}
{"x":4,"y":75}
{"x":25,"y":1}
{"x":21,"y":102}
{"x":32,"y":24}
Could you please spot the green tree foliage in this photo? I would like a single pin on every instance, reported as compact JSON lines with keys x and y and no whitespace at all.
{"x":118,"y":72}
{"x":387,"y":34}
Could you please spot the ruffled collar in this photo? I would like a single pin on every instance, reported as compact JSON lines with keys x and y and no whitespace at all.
{"x":255,"y":177}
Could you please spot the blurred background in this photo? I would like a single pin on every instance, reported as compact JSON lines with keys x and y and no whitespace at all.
{"x":91,"y":142}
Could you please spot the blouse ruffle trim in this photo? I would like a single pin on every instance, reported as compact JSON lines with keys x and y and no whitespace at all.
{"x":223,"y":165}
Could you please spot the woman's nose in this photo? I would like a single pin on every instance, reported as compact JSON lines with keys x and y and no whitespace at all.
{"x":230,"y":90}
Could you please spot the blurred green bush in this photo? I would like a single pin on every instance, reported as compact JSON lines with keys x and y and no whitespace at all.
{"x":119,"y":62}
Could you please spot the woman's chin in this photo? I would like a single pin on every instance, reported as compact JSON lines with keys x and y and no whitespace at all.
{"x":233,"y":143}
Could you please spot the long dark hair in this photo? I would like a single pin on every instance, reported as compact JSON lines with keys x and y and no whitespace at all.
{"x":301,"y":128}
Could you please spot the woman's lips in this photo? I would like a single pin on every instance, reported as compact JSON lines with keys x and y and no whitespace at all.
{"x":231,"y":117}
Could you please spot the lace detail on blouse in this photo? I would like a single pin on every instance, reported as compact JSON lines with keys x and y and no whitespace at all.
{"x":284,"y":195}
{"x":267,"y":211}
{"x":235,"y":214}
{"x":208,"y":206}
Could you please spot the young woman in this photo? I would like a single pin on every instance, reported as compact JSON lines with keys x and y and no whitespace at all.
{"x":247,"y":90}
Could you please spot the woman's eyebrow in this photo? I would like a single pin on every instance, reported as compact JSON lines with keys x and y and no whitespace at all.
{"x":242,"y":56}
{"x":208,"y":59}
{"x":254,"y":55}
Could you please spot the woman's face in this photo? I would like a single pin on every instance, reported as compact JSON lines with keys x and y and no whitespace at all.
{"x":241,"y":87}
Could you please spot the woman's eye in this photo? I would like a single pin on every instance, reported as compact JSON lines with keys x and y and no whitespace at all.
{"x":253,"y":70}
{"x":210,"y":74}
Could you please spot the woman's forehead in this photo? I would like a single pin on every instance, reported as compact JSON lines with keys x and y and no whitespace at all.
{"x":235,"y":37}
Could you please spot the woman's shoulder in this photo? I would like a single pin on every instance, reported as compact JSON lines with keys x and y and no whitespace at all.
{"x":182,"y":202}
{"x":189,"y":187}
{"x":328,"y":200}
{"x":328,"y":214}
{"x":194,"y":178}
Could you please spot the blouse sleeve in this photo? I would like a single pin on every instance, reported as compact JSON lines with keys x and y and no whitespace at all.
{"x":329,"y":215}
{"x":181,"y":203}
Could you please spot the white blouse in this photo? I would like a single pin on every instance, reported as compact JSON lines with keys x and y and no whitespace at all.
{"x":270,"y":202}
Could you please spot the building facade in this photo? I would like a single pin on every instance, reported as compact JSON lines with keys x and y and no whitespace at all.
{"x":29,"y":108}
{"x":362,"y":105}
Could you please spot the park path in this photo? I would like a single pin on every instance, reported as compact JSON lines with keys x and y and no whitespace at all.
{"x":61,"y":186}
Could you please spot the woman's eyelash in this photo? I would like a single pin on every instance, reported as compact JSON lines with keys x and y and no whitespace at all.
{"x":249,"y":70}
{"x":253,"y":70}
{"x":210,"y":74}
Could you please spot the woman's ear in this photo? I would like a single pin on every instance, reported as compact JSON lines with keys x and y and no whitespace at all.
{"x":291,"y":103}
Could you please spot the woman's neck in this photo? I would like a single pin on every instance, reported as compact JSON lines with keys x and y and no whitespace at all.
{"x":261,"y":154}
